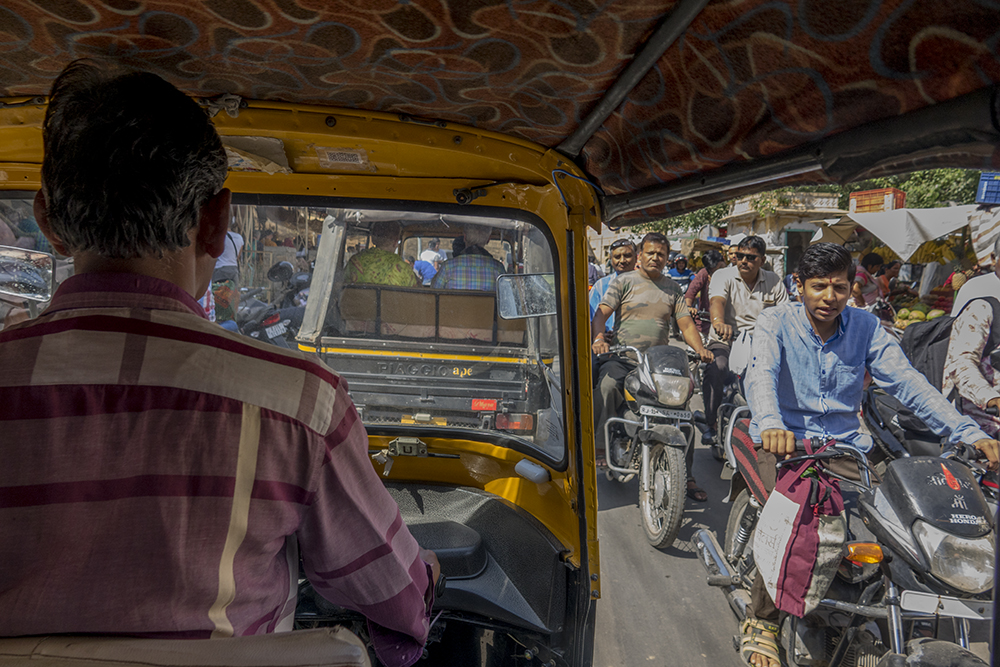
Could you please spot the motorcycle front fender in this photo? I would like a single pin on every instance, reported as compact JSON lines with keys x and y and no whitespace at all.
{"x":663,"y":434}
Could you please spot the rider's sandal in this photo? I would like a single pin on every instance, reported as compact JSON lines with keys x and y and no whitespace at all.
{"x":695,"y":492}
{"x":754,"y":641}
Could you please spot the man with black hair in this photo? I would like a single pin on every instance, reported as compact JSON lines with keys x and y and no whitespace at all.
{"x":738,"y":294}
{"x":645,"y":301}
{"x":805,"y":380}
{"x":698,"y":289}
{"x":622,"y":257}
{"x":178,"y":473}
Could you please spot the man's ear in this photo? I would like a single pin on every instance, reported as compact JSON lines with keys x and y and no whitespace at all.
{"x":213,"y":223}
{"x":41,"y":210}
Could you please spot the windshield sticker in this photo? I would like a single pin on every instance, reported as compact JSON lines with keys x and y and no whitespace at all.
{"x":967,"y":519}
{"x":938,"y":479}
{"x":336,"y":158}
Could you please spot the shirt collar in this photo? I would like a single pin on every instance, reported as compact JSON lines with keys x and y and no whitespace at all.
{"x":841,"y":324}
{"x":96,"y":290}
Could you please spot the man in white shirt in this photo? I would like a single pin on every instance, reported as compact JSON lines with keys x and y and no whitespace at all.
{"x":226,"y":266}
{"x":986,"y":285}
{"x":433,"y":255}
{"x":737,"y":295}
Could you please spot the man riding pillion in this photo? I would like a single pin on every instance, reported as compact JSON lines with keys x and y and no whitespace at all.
{"x":737,"y":295}
{"x":622,"y":255}
{"x":645,"y":300}
{"x":178,"y":473}
{"x":805,"y":381}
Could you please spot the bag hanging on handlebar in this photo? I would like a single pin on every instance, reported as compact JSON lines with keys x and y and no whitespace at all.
{"x":800,"y":536}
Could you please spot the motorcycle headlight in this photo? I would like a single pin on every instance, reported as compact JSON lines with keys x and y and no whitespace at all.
{"x":965,"y":563}
{"x":672,"y":390}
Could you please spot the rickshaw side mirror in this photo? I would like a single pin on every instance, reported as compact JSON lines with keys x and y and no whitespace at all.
{"x":521,"y":296}
{"x":28,"y":275}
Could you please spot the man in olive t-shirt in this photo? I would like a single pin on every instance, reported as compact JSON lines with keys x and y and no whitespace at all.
{"x":645,"y":300}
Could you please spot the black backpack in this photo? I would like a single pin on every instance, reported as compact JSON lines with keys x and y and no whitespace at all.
{"x":926,"y":343}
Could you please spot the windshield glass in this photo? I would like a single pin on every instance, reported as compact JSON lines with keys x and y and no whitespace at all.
{"x":403,"y":306}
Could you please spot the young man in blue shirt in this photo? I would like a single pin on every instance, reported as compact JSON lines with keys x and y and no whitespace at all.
{"x":805,"y":381}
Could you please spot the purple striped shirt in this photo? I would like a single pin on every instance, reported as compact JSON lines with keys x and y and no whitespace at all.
{"x":161,"y":476}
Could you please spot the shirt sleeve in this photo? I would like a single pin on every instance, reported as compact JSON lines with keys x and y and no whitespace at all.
{"x":779,"y":292}
{"x":357,"y":551}
{"x":969,"y":333}
{"x":613,"y":297}
{"x":762,"y":374}
{"x":719,"y":287}
{"x":680,"y":308}
{"x":892,"y":371}
{"x":440,"y":279}
{"x":595,"y":297}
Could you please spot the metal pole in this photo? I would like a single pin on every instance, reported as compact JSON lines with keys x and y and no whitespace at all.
{"x":661,"y":40}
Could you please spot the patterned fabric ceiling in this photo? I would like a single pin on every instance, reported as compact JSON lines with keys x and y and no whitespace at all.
{"x":749,"y":78}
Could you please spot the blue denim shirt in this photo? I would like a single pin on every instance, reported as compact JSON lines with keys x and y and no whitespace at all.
{"x":798,"y":383}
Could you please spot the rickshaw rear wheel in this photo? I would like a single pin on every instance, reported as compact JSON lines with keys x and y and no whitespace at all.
{"x":662,"y":506}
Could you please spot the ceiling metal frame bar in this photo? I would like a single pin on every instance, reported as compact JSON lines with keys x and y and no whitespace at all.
{"x":663,"y":38}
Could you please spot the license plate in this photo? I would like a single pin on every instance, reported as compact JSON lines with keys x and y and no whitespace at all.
{"x":276,"y":330}
{"x":649,"y":410}
{"x":943,"y":605}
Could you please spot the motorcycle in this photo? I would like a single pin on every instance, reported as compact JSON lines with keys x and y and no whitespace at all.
{"x":920,"y":547}
{"x":279,"y":322}
{"x":652,"y":436}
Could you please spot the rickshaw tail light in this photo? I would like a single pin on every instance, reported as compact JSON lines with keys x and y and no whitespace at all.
{"x":864,"y":552}
{"x":514,"y":422}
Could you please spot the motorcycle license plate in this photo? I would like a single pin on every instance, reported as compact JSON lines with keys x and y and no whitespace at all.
{"x":943,"y":605}
{"x":668,"y":414}
{"x":276,"y":330}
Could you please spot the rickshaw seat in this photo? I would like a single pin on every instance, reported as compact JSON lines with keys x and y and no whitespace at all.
{"x":421,"y":313}
{"x":322,"y":647}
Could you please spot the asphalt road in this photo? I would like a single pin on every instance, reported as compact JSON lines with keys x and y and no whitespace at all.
{"x":655,"y":607}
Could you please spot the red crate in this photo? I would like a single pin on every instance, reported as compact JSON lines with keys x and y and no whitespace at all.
{"x":883,"y":199}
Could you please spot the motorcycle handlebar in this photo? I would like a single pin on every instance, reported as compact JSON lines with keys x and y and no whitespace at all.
{"x":993,"y":411}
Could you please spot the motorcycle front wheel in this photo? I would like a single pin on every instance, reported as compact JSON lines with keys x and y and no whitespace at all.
{"x":662,"y":505}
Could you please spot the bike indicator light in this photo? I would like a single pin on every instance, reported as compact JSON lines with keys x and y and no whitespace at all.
{"x":864,"y":552}
{"x":514,"y":422}
{"x":484,"y":404}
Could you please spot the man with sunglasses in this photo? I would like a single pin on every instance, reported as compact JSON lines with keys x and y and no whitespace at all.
{"x":622,"y":254}
{"x":737,"y":295}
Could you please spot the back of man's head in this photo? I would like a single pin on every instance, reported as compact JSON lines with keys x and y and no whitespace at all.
{"x":477,"y":235}
{"x":129,"y":162}
{"x":871,"y":260}
{"x":711,"y":260}
{"x":385,"y":234}
{"x":825,"y":259}
{"x":754,"y":243}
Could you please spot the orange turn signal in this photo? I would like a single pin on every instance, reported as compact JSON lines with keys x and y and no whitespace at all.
{"x":864,"y":552}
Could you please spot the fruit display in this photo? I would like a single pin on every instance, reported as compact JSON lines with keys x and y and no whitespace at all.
{"x":920,"y":312}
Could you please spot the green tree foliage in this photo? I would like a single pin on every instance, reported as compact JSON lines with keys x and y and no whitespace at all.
{"x":924,"y":189}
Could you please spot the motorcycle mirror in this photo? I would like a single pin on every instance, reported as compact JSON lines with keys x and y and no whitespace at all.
{"x":280,"y":272}
{"x":27,"y":274}
{"x":521,"y":296}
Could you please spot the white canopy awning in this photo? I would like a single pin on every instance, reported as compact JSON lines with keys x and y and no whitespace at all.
{"x":904,"y":229}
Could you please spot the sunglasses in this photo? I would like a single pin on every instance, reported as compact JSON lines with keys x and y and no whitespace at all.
{"x":621,"y":243}
{"x":750,"y":257}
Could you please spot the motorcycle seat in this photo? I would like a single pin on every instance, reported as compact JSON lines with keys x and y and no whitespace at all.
{"x":322,"y":647}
